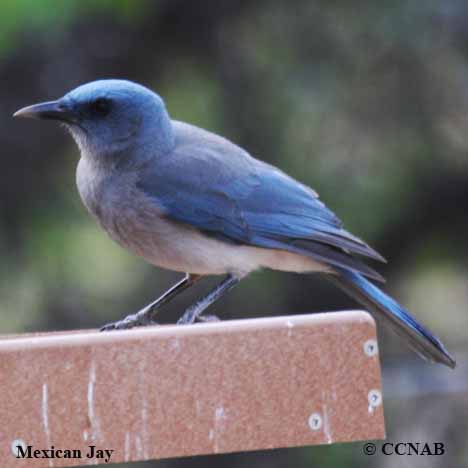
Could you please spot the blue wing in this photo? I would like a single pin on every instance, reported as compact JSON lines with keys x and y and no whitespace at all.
{"x":216,"y":187}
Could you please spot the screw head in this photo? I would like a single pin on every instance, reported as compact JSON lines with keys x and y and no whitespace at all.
{"x":371,"y":347}
{"x":14,"y":447}
{"x":374,"y":397}
{"x":315,"y":421}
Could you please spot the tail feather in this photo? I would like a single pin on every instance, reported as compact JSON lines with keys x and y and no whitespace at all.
{"x":418,"y":337}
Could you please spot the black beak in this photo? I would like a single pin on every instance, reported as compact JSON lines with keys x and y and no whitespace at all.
{"x":53,"y":110}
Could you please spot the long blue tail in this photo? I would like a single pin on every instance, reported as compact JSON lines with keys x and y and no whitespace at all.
{"x":418,"y":337}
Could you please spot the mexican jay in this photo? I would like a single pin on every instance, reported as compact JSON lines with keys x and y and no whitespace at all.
{"x":191,"y":201}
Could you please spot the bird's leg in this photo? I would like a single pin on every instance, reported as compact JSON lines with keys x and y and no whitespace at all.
{"x":194,"y":312}
{"x":145,"y":316}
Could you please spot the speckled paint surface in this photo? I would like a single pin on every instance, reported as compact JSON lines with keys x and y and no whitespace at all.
{"x":175,"y":391}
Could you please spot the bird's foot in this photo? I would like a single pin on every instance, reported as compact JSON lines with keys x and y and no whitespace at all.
{"x":208,"y":318}
{"x":193,"y":314}
{"x":190,"y":315}
{"x":133,"y":320}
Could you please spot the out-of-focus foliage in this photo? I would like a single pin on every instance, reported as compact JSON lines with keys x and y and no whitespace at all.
{"x":54,"y":17}
{"x":365,"y":101}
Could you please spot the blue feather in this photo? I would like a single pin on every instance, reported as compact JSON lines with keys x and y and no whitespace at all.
{"x":238,"y":199}
{"x":419,"y":337}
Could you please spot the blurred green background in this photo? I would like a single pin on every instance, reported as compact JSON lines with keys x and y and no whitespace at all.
{"x":365,"y":101}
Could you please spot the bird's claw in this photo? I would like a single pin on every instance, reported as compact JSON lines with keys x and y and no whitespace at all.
{"x":128,"y":322}
{"x":190,"y":316}
{"x":208,"y":318}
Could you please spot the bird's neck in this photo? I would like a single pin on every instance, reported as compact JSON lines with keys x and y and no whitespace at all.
{"x":156,"y":138}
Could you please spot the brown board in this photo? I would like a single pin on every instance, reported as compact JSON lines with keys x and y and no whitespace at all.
{"x":173,"y":391}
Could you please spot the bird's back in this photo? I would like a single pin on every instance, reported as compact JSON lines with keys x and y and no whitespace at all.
{"x":216,"y":187}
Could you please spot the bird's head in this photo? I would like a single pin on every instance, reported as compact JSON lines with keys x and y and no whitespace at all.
{"x":109,"y":118}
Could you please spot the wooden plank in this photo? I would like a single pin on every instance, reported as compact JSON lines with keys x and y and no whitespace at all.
{"x":173,"y":391}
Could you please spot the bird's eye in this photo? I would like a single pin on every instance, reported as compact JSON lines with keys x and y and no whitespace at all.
{"x":101,"y":107}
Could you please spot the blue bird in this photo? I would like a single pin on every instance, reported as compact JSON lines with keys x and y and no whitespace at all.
{"x":191,"y":201}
